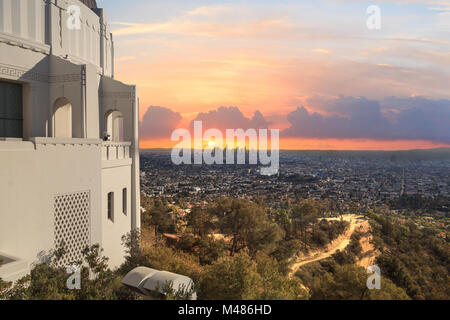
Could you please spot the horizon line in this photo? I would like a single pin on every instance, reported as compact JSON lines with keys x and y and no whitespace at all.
{"x":337,"y":150}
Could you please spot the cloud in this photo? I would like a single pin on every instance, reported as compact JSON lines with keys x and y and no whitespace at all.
{"x":391,"y":118}
{"x":188,"y":27}
{"x":321,"y":50}
{"x":158,"y":122}
{"x":414,"y":118}
{"x":207,"y":11}
{"x":231,"y":118}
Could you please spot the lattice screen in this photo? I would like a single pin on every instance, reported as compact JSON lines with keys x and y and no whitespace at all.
{"x":72,"y":224}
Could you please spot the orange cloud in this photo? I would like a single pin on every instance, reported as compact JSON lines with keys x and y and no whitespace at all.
{"x":321,"y":50}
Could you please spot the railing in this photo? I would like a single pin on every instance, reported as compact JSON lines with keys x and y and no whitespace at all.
{"x":109,"y":150}
{"x":115,"y":150}
{"x":65,"y":141}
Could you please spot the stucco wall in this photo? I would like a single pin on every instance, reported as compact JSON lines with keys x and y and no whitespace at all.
{"x":114,"y":179}
{"x":30,"y":179}
{"x":124,"y":98}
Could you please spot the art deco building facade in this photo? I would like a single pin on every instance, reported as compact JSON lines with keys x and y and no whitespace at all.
{"x":69,"y":155}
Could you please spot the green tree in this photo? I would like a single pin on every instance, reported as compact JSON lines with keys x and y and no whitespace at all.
{"x":49,"y":281}
{"x":133,"y":253}
{"x":200,"y":221}
{"x":303,"y":216}
{"x":247,"y":225}
{"x":159,"y":217}
{"x":349,"y":282}
{"x":241,"y":278}
{"x":276,"y":286}
{"x":282,"y":218}
{"x":231,"y":278}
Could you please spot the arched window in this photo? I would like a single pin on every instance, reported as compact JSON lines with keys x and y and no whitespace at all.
{"x":114,"y":125}
{"x":62,"y":118}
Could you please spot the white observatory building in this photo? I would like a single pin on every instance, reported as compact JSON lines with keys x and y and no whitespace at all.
{"x":69,"y":144}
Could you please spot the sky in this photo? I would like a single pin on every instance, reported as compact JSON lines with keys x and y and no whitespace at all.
{"x":312,"y":69}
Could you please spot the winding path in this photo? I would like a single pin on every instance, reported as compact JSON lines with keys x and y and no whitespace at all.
{"x":338,"y":244}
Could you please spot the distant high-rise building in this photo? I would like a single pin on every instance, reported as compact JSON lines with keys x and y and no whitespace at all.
{"x":69,"y":145}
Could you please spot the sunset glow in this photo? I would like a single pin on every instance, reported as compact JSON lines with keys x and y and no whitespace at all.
{"x":194,"y":57}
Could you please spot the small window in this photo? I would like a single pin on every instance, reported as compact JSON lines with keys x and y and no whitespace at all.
{"x":111,"y":206}
{"x":124,"y":201}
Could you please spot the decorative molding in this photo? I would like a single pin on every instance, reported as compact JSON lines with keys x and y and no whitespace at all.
{"x":119,"y":95}
{"x":64,"y":78}
{"x":22,"y":73}
{"x":17,"y":41}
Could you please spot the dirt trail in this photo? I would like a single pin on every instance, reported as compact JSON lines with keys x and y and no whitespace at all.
{"x":356,"y":222}
{"x":369,"y":253}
